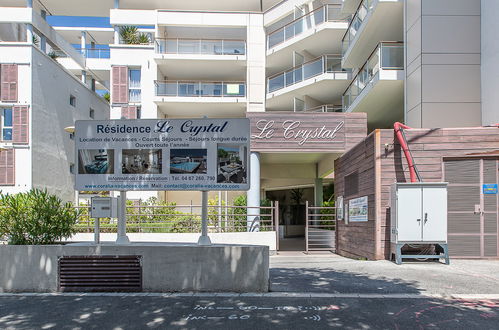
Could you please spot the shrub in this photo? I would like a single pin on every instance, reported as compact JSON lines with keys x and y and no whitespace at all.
{"x":36,"y":217}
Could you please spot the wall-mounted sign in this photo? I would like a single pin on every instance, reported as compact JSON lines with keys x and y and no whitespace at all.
{"x":339,"y":208}
{"x":305,"y":131}
{"x":490,"y":189}
{"x":357,"y":209}
{"x":162,"y":154}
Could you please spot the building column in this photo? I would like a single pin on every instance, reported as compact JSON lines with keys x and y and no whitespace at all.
{"x":29,"y":33}
{"x":43,"y":43}
{"x":318,"y":192}
{"x":116,"y":4}
{"x":253,"y":195}
{"x":116,"y":35}
{"x":84,"y":76}
{"x":83,"y":44}
{"x":29,"y":3}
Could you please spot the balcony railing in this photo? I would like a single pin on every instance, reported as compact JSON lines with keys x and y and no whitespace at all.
{"x":320,"y":65}
{"x":324,"y":108}
{"x":95,"y":52}
{"x":365,"y":7}
{"x":200,"y":46}
{"x":200,"y":88}
{"x":386,"y":56}
{"x":326,"y":13}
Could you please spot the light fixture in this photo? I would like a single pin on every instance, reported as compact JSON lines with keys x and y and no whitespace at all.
{"x":69,"y":129}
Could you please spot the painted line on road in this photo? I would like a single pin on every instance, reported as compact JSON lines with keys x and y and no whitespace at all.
{"x":254,"y":295}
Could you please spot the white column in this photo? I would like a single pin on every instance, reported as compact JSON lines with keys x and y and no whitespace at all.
{"x":253,"y":195}
{"x":122,"y":237}
{"x":84,"y":76}
{"x":83,"y":44}
{"x":318,"y":187}
{"x":29,"y":33}
{"x":29,"y":3}
{"x":116,"y":4}
{"x":204,"y":239}
{"x":116,"y":35}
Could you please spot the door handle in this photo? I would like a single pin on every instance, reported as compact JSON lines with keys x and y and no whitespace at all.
{"x":418,"y":220}
{"x":425,"y":218}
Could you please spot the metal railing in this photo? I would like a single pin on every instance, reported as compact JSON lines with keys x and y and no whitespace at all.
{"x":326,"y":13}
{"x":95,"y":52}
{"x":324,"y":108}
{"x":320,"y":228}
{"x":200,"y":88}
{"x":386,"y":56}
{"x":184,"y":219}
{"x":200,"y":46}
{"x":365,"y":7}
{"x":317,"y":66}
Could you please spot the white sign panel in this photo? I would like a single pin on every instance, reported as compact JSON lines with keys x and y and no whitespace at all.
{"x":357,"y":209}
{"x":339,"y":208}
{"x":162,"y":154}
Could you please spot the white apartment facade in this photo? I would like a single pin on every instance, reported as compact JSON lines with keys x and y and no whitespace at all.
{"x":319,"y":63}
{"x":39,"y":98}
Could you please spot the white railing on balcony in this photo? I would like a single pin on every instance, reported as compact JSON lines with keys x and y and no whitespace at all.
{"x":386,"y":56}
{"x":326,"y":13}
{"x":200,"y":46}
{"x":95,"y":52}
{"x":324,"y":108}
{"x":365,"y":7}
{"x":317,"y":66}
{"x":200,"y":88}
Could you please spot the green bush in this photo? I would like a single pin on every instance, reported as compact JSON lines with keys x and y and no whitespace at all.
{"x":36,"y":217}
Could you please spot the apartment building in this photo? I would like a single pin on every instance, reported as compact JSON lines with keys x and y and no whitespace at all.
{"x":314,"y":77}
{"x":39,"y":98}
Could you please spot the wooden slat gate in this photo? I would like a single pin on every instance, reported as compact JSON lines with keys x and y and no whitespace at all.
{"x":100,"y":273}
{"x":320,"y":228}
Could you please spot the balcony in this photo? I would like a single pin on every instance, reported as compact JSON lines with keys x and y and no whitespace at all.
{"x":197,"y":98}
{"x":373,"y":22}
{"x":378,"y":87}
{"x":200,"y":46}
{"x":100,"y":53}
{"x":319,"y":32}
{"x":323,"y":108}
{"x":322,"y":79}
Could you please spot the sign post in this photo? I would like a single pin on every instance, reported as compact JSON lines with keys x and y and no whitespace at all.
{"x":162,"y":154}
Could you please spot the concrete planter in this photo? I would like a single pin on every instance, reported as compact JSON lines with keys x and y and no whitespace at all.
{"x":165,"y":267}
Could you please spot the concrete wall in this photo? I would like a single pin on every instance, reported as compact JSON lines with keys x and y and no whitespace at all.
{"x":52,"y":148}
{"x":28,"y":268}
{"x":263,"y":238}
{"x":443,"y":63}
{"x":490,"y":64}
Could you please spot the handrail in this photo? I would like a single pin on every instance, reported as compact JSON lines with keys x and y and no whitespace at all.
{"x":207,"y":39}
{"x":171,"y":88}
{"x":200,"y":46}
{"x":201,"y":81}
{"x":324,"y":108}
{"x":353,"y":18}
{"x":325,"y":18}
{"x":304,"y":63}
{"x":380,"y":44}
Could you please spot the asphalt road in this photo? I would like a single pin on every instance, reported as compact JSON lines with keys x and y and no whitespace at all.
{"x":122,"y":311}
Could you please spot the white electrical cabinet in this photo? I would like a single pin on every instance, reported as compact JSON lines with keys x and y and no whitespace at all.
{"x":419,"y":213}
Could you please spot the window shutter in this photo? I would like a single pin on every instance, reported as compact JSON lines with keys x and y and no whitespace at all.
{"x":129,"y":112}
{"x":119,"y":84}
{"x":20,"y":123}
{"x":7,"y":167}
{"x":8,"y":82}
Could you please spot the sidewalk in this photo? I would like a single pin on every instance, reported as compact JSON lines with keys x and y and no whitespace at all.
{"x":333,"y":274}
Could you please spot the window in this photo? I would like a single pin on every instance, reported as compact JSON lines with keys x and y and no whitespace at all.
{"x":134,"y":85}
{"x":7,"y":124}
{"x":72,"y":100}
{"x":352,"y":184}
{"x":91,"y":113}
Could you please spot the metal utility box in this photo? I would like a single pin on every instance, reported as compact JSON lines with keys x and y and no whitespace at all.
{"x":104,"y":207}
{"x":419,"y":212}
{"x":418,"y":215}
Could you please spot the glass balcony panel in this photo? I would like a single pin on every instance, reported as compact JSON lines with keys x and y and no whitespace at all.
{"x":313,"y":68}
{"x":333,"y":13}
{"x":234,"y":47}
{"x":188,"y":89}
{"x":319,"y":15}
{"x":210,"y":47}
{"x":171,"y":46}
{"x":275,"y":38}
{"x":290,"y":79}
{"x":234,"y":89}
{"x":189,"y":46}
{"x":276,"y":82}
{"x":392,"y":56}
{"x":134,"y":95}
{"x":333,"y":64}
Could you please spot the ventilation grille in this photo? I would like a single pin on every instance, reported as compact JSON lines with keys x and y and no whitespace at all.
{"x":100,"y":273}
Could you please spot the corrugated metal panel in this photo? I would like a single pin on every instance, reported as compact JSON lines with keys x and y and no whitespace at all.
{"x":490,"y":223}
{"x":490,"y":246}
{"x":464,"y":246}
{"x":489,"y":171}
{"x":490,"y":203}
{"x":100,"y":273}
{"x":462,"y":171}
{"x":466,"y":223}
{"x":463,"y":198}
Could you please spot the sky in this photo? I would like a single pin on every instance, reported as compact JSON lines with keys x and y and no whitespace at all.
{"x":78,"y":21}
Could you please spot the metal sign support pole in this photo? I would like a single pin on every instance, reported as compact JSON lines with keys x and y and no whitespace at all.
{"x":122,"y":237}
{"x":204,"y":239}
{"x":97,"y":230}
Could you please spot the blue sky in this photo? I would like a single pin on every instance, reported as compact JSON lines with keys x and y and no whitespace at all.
{"x":78,"y":21}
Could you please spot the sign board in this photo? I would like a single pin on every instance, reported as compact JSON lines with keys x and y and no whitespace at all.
{"x":103,"y":207}
{"x":339,"y":208}
{"x":306,"y":131}
{"x":357,"y":209}
{"x":489,"y":189}
{"x":162,"y":154}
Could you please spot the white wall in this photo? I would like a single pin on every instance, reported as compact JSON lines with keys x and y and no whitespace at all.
{"x":53,"y":150}
{"x":490,"y":62}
